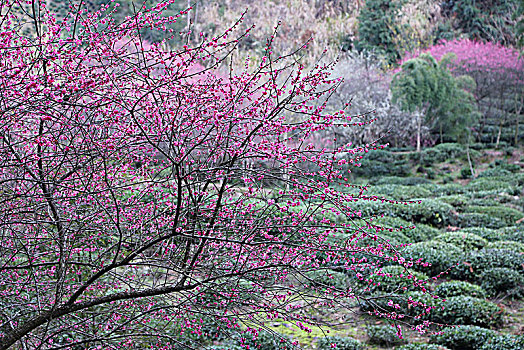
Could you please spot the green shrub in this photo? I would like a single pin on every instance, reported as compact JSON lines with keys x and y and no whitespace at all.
{"x":464,"y":240}
{"x":479,"y":220}
{"x":384,"y":335}
{"x":509,"y":245}
{"x":224,"y":347}
{"x":475,"y":262}
{"x":504,"y":342}
{"x":448,"y":189}
{"x":416,"y":305}
{"x":342,"y":343}
{"x":506,"y":214}
{"x":468,"y":310}
{"x":488,"y":234}
{"x":265,"y":341}
{"x":420,"y":233}
{"x":421,"y":346}
{"x":322,"y":278}
{"x":401,"y":192}
{"x":456,"y":201}
{"x":488,"y":184}
{"x":439,"y":255}
{"x":463,"y":337}
{"x":405,"y":181}
{"x":396,"y":278}
{"x":512,"y":233}
{"x":456,"y":288}
{"x":501,"y":280}
{"x":494,"y":172}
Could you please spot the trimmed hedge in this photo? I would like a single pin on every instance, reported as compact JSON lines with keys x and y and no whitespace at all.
{"x":421,"y":346}
{"x":412,"y":304}
{"x":508,"y":245}
{"x":501,"y":280}
{"x":464,"y":240}
{"x":468,"y":310}
{"x":456,"y":288}
{"x":439,"y":255}
{"x":265,"y":341}
{"x":479,"y":220}
{"x":504,"y":342}
{"x":322,"y":278}
{"x":506,"y":214}
{"x":475,"y":262}
{"x":342,"y":343}
{"x":384,"y":335}
{"x":463,"y":337}
{"x":396,"y":278}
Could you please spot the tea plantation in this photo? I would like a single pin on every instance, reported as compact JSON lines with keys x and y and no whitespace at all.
{"x":463,"y":236}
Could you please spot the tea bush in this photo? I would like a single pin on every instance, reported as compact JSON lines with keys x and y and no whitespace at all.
{"x":502,"y":281}
{"x":421,"y":346}
{"x":479,"y":220}
{"x":475,"y":262}
{"x":327,"y":278}
{"x":508,"y":215}
{"x":342,"y":343}
{"x":464,"y":240}
{"x":395,"y":278}
{"x":508,"y":245}
{"x":456,"y":288}
{"x":439,"y":255}
{"x":384,"y":335}
{"x":504,"y":342}
{"x":468,"y":310}
{"x":463,"y":337}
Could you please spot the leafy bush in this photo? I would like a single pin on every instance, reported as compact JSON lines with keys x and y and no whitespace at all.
{"x":464,"y":240}
{"x":501,"y":280}
{"x":504,"y":342}
{"x":401,"y":192}
{"x":508,"y":215}
{"x":439,"y":255}
{"x":421,"y":346}
{"x":468,"y":310}
{"x":343,"y":343}
{"x":456,"y":288}
{"x":395,"y":278}
{"x":420,"y":233}
{"x":456,"y":201}
{"x":508,"y":245}
{"x":475,"y":262}
{"x":487,"y":184}
{"x":327,"y":278}
{"x":405,"y":181}
{"x":479,"y":220}
{"x":512,"y":233}
{"x":488,"y":234}
{"x":417,"y":305}
{"x":494,"y":172}
{"x":463,"y":337}
{"x":384,"y":335}
{"x":265,"y":341}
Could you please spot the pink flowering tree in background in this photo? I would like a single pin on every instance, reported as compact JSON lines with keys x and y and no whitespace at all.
{"x":498,"y":72}
{"x":143,"y":192}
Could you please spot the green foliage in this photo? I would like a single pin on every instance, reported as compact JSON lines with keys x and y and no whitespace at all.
{"x":396,"y":278}
{"x":420,"y":233}
{"x":264,"y":341}
{"x":509,"y":245}
{"x":343,"y":343}
{"x":384,"y":335}
{"x":401,"y":192}
{"x":474,"y":263}
{"x":464,"y":240}
{"x":322,"y":278}
{"x":443,"y":152}
{"x":463,"y":309}
{"x":456,"y":288}
{"x":456,"y":201}
{"x":502,"y":281}
{"x":421,"y":346}
{"x":479,"y":220}
{"x":377,"y":27}
{"x":506,"y":214}
{"x":436,"y":256}
{"x":463,"y":337}
{"x":426,"y":86}
{"x":405,"y":181}
{"x":419,"y":308}
{"x":486,"y":184}
{"x":504,"y":342}
{"x":512,"y":233}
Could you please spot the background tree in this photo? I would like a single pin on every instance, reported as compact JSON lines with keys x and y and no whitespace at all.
{"x":427,"y":87}
{"x":142,"y":196}
{"x":377,"y":25}
{"x":498,"y":72}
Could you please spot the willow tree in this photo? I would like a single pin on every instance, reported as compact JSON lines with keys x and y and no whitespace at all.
{"x":427,"y":89}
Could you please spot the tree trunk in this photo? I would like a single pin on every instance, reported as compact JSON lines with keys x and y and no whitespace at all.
{"x":419,"y":127}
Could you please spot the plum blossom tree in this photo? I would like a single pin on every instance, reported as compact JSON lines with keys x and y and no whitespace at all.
{"x":144,"y":192}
